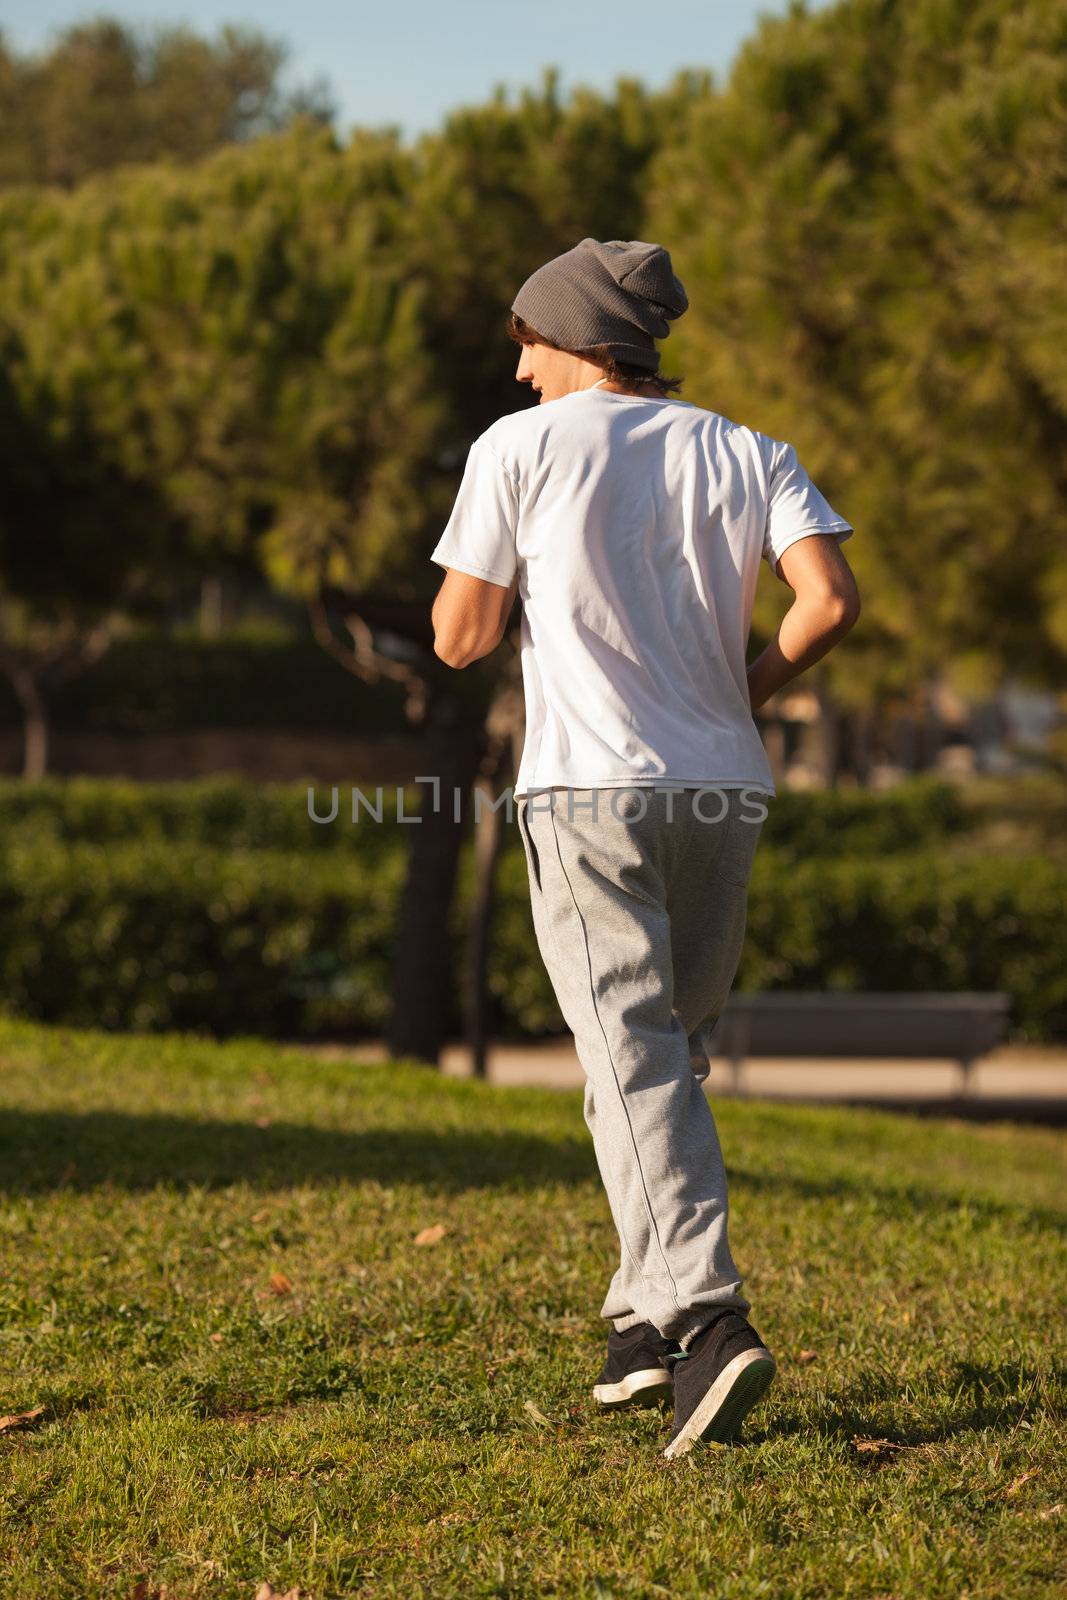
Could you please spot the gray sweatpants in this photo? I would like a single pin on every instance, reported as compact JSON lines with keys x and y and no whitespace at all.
{"x":639,"y":909}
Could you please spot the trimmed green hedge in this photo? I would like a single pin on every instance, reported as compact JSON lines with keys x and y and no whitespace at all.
{"x":919,"y":813}
{"x":156,"y":934}
{"x":230,"y":813}
{"x":912,"y":922}
{"x":224,"y":814}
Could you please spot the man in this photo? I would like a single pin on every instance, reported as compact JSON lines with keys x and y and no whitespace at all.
{"x":633,"y":525}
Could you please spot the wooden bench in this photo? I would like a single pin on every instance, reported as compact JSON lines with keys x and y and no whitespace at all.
{"x":958,"y":1026}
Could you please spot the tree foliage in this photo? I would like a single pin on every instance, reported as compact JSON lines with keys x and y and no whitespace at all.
{"x":288,"y":346}
{"x":870,"y":222}
{"x":107,"y":94}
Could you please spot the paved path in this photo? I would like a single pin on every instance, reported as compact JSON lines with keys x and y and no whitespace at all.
{"x":1023,"y":1081}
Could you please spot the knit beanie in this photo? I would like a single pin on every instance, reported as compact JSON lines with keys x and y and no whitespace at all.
{"x":620,"y":293}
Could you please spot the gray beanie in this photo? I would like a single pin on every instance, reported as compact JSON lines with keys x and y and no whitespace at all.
{"x":620,"y":293}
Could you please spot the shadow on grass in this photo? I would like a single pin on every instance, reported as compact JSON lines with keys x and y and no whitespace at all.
{"x":43,"y":1151}
{"x":40,"y":1151}
{"x":900,"y":1201}
{"x":967,"y":1397}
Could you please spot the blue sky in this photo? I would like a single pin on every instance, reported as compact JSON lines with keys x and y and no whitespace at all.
{"x":410,"y":63}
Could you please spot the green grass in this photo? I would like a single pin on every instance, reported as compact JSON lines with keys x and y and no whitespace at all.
{"x":415,"y":1420}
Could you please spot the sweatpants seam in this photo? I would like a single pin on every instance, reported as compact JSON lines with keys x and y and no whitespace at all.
{"x":614,"y":1073}
{"x":550,"y":933}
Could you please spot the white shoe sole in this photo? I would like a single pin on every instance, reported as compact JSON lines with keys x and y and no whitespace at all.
{"x":642,"y":1388}
{"x":740,"y":1385}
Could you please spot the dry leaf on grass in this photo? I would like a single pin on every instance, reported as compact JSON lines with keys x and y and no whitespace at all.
{"x":1051,"y":1511}
{"x":280,"y":1284}
{"x":876,"y":1446}
{"x":267,"y":1591}
{"x":537,"y":1415}
{"x":216,"y":1338}
{"x":431,"y":1235}
{"x":1016,"y":1485}
{"x":20,"y":1418}
{"x":807,"y":1355}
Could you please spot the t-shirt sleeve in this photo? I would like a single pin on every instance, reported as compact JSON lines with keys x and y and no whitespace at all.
{"x":479,"y":536}
{"x":795,"y":507}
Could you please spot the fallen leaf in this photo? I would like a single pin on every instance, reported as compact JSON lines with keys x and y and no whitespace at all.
{"x":260,"y":1216}
{"x":280,"y":1284}
{"x":538,"y":1416}
{"x":1013,"y":1488}
{"x":1051,"y":1511}
{"x":432,"y":1235}
{"x":20,"y":1418}
{"x":807,"y":1355}
{"x":875,"y":1446}
{"x":267,"y":1591}
{"x":216,"y":1338}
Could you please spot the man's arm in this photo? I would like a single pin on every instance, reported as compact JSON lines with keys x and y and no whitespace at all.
{"x":826,"y":607}
{"x":469,"y":616}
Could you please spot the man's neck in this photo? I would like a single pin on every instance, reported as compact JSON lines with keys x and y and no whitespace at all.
{"x":620,"y":388}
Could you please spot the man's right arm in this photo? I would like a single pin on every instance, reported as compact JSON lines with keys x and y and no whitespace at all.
{"x":825,"y":608}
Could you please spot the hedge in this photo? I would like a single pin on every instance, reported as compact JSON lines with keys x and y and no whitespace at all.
{"x":224,"y":814}
{"x":156,"y":934}
{"x":914,"y":922}
{"x":230,"y":813}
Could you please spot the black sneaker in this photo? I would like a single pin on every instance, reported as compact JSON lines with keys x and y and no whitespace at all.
{"x":636,"y":1372}
{"x":725,"y":1371}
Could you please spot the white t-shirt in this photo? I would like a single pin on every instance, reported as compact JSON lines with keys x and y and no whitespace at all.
{"x":636,"y":526}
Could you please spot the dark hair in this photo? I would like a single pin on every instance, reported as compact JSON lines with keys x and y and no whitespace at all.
{"x":624,"y":372}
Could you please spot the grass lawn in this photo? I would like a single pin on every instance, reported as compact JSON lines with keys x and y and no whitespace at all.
{"x":251,"y":1370}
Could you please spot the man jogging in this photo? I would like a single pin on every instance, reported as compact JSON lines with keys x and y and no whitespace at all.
{"x":632,"y":524}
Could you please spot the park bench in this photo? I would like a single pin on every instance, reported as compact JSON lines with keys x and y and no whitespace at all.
{"x":958,"y":1026}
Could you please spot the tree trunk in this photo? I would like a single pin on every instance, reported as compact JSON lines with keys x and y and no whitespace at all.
{"x":829,"y":737}
{"x":774,"y":744}
{"x":488,"y":839}
{"x":211,"y":607}
{"x":933,"y":731}
{"x":35,"y":724}
{"x":422,"y":966}
{"x":860,"y":724}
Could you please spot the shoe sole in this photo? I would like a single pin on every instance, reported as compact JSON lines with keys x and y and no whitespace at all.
{"x":644,"y":1388}
{"x":740,"y":1386}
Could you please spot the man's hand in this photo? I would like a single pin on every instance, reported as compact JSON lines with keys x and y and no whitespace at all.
{"x":826,"y":607}
{"x":469,"y":616}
